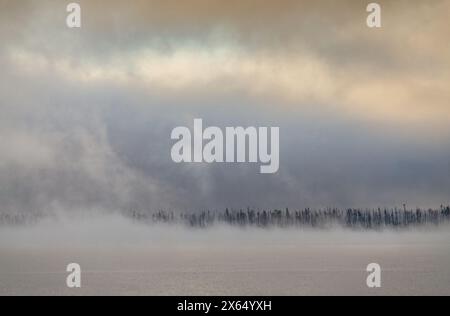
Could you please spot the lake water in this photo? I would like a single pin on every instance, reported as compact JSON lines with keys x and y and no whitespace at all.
{"x":119,"y":257}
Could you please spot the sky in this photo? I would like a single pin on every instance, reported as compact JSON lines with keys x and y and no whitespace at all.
{"x":86,"y":114}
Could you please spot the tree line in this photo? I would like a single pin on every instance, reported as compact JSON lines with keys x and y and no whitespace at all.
{"x":315,"y":218}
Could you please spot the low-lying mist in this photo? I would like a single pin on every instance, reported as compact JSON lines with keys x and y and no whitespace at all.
{"x":117,"y":231}
{"x":121,"y":256}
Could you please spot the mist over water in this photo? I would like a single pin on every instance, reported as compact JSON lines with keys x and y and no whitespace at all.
{"x":119,"y":256}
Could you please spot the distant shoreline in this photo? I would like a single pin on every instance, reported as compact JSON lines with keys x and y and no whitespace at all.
{"x":363,"y":219}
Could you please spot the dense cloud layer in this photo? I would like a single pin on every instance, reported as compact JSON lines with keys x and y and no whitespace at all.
{"x":86,"y":114}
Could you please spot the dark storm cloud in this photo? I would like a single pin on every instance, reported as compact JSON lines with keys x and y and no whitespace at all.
{"x":86,"y":114}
